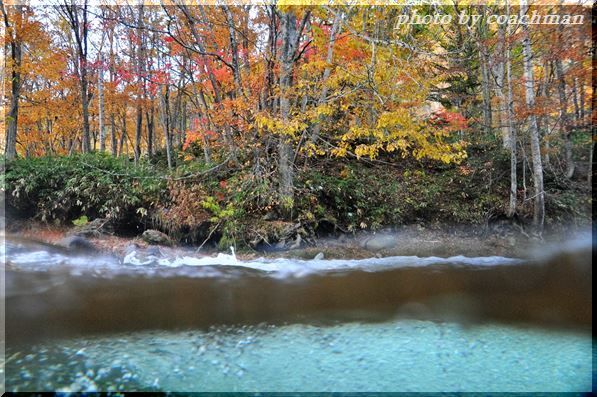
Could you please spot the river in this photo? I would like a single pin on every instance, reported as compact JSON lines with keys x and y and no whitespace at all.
{"x":402,"y":323}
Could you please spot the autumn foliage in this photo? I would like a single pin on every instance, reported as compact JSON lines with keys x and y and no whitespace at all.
{"x":265,"y":89}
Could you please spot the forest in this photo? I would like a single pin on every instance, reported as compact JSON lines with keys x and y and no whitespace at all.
{"x":249,"y":124}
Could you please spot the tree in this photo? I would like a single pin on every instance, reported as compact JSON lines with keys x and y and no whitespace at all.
{"x":539,"y":208}
{"x":511,"y":130}
{"x":485,"y":80}
{"x":272,"y":88}
{"x":507,"y":111}
{"x":100,"y":93}
{"x":593,"y":99}
{"x":334,"y":32}
{"x":14,"y":38}
{"x":77,"y":17}
{"x":290,"y":40}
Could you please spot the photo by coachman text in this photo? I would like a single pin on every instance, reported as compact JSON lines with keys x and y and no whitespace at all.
{"x":464,"y":19}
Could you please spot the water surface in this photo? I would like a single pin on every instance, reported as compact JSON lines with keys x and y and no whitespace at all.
{"x":184,"y":323}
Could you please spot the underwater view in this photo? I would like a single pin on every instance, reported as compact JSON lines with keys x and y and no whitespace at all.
{"x":296,"y":196}
{"x":220,"y":324}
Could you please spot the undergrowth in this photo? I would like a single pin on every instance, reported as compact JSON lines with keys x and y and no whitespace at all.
{"x":230,"y":206}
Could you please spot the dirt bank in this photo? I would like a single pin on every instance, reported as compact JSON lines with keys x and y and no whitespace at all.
{"x":414,"y":240}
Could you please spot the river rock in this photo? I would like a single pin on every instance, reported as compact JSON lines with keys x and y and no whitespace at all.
{"x":297,"y":242}
{"x":78,"y":244}
{"x":153,"y":250}
{"x":155,"y":237}
{"x":132,"y":247}
{"x":134,"y":254}
{"x":380,"y":242}
{"x":94,"y":228}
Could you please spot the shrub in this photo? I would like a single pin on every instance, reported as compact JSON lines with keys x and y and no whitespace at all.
{"x":61,"y":189}
{"x":371,"y":197}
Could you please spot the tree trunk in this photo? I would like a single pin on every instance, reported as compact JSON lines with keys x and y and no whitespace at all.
{"x":199,"y":42}
{"x":575,"y":101}
{"x":100,"y":94}
{"x":138,"y":130}
{"x":150,"y":130}
{"x":114,"y":142}
{"x":590,"y":173}
{"x":112,"y":71}
{"x":564,"y":118}
{"x":485,"y":80}
{"x":141,"y":82}
{"x":234,"y":50}
{"x":336,"y":28}
{"x":183,"y":125}
{"x":84,"y":80}
{"x":123,"y":136}
{"x":593,"y":102}
{"x":166,"y":122}
{"x":543,"y":119}
{"x":487,"y":119}
{"x":285,"y":168}
{"x":539,"y":209}
{"x":510,"y":126}
{"x":80,"y":29}
{"x":85,"y":107}
{"x":10,"y":149}
{"x":246,"y":28}
{"x":582,"y":102}
{"x":175,"y":118}
{"x":498,"y":70}
{"x":206,"y":148}
{"x":565,"y":125}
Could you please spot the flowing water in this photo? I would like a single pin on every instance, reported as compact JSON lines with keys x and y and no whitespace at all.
{"x":188,"y":323}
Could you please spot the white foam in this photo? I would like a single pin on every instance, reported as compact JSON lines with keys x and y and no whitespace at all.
{"x":281,"y":267}
{"x":295,"y":267}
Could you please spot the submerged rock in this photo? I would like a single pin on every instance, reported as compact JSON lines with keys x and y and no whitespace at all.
{"x":379,"y":242}
{"x":155,"y":237}
{"x":137,"y":255}
{"x":132,"y":247}
{"x":153,"y":250}
{"x":77,"y":244}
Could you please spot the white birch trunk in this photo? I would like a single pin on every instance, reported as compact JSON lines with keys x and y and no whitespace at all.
{"x":539,"y":209}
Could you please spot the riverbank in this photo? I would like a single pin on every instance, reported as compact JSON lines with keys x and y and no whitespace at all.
{"x":366,"y":208}
{"x":413,"y":240}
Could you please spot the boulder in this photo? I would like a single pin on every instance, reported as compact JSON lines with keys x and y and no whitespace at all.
{"x":77,"y":244}
{"x":155,"y":237}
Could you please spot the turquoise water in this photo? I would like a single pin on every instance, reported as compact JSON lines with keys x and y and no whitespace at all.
{"x":406,"y":355}
{"x":218,"y":324}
